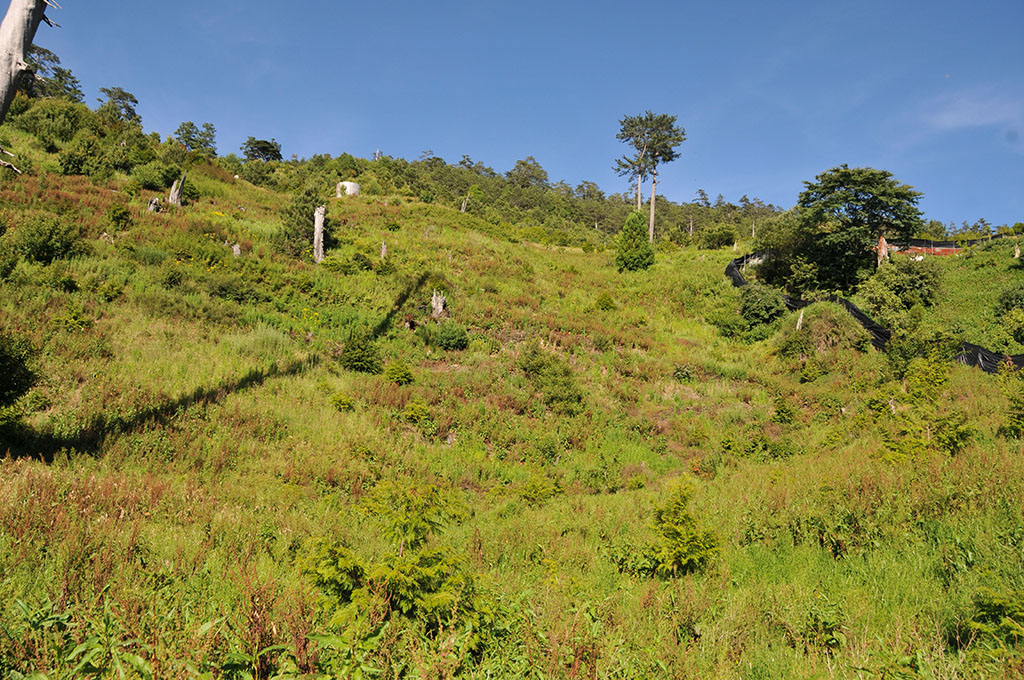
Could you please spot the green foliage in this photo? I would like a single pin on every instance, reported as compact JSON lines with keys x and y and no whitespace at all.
{"x":553,"y":378}
{"x":53,"y":120}
{"x":716,"y":236}
{"x":833,"y":234}
{"x":17,"y":375}
{"x":342,"y":401}
{"x":296,"y":235}
{"x":997,"y":619}
{"x":1010,"y":299}
{"x":410,"y":513}
{"x":761,"y":304}
{"x":44,"y":238}
{"x":398,"y":372}
{"x":156,"y":175}
{"x":634,"y":249}
{"x":361,"y":354}
{"x":261,"y":150}
{"x":897,"y":286}
{"x":605,"y":303}
{"x":827,"y":329}
{"x":825,"y":623}
{"x":452,"y":336}
{"x":119,"y":216}
{"x":681,"y":547}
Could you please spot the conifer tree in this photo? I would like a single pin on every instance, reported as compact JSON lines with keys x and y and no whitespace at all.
{"x":635,"y":251}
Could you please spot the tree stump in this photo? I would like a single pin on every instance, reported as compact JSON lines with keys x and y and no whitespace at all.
{"x":383,"y":250}
{"x":154,"y":205}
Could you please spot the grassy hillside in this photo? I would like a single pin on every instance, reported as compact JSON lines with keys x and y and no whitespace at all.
{"x":598,"y":484}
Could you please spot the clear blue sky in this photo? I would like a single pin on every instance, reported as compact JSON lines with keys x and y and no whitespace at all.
{"x":770,"y":94}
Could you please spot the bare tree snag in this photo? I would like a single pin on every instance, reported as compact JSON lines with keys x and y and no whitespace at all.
{"x":318,"y":233}
{"x":5,"y":164}
{"x":176,"y":189}
{"x":654,"y":189}
{"x":16,"y":34}
{"x":437,"y":305}
{"x":383,"y":250}
{"x":154,"y":205}
{"x":883,"y":251}
{"x":465,"y":202}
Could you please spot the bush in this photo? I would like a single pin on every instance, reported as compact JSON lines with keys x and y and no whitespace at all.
{"x":761,"y":304}
{"x":45,"y":238}
{"x":398,"y":372}
{"x":605,"y":302}
{"x":360,"y":354}
{"x":155,"y":175}
{"x":553,"y":378}
{"x":119,"y":216}
{"x":634,"y":249}
{"x":452,"y":336}
{"x":716,"y":236}
{"x":899,"y":285}
{"x":342,"y":401}
{"x":16,"y":374}
{"x":827,"y":328}
{"x":681,"y":546}
{"x":1010,"y":299}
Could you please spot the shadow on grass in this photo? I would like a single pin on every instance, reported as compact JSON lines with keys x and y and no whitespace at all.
{"x":403,"y":297}
{"x":19,"y":441}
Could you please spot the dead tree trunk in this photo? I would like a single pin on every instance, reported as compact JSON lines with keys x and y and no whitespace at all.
{"x":318,"y":233}
{"x":465,"y":202}
{"x":175,"y":196}
{"x":654,"y":191}
{"x":16,"y":34}
{"x":383,"y":250}
{"x":437,"y":305}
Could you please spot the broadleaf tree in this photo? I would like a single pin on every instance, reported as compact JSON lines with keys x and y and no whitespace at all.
{"x":828,"y":242}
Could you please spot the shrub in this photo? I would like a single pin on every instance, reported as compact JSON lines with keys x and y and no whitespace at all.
{"x":827,"y":328}
{"x":997,"y":618}
{"x":45,"y":238}
{"x":119,"y":216}
{"x":899,"y":285}
{"x":360,"y":354}
{"x":16,"y":374}
{"x":1010,"y":299}
{"x":398,"y":372}
{"x":452,"y":336}
{"x":155,"y":175}
{"x":761,"y":304}
{"x":553,"y":378}
{"x":634,"y":250}
{"x":342,"y":401}
{"x":605,"y":302}
{"x":681,"y":546}
{"x":716,"y":236}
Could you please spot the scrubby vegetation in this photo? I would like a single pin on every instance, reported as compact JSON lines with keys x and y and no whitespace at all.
{"x":223,"y":460}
